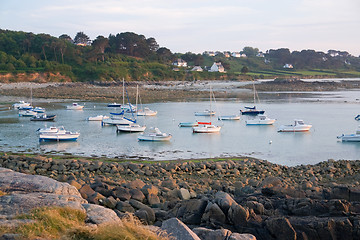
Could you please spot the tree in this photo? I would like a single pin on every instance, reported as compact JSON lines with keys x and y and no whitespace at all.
{"x":250,"y":52}
{"x":244,"y":70}
{"x":153,"y":45}
{"x":164,"y":54}
{"x":81,"y":38}
{"x":66,"y":37}
{"x":99,"y":45}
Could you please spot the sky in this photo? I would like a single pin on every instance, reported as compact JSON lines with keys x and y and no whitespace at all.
{"x":198,"y":25}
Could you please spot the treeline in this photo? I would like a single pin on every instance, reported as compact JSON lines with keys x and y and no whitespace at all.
{"x":134,"y":57}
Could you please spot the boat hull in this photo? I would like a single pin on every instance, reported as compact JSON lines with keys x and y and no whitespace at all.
{"x":260,"y":122}
{"x":350,"y":138}
{"x":205,"y":114}
{"x":154,"y":138}
{"x":188,"y":124}
{"x":120,"y":121}
{"x":294,"y":129}
{"x":130,"y":128}
{"x":47,"y":118}
{"x":59,"y":137}
{"x":231,"y":117}
{"x":206,"y":129}
{"x":97,"y":118}
{"x":252,"y":112}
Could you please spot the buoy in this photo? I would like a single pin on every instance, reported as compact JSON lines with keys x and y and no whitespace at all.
{"x":270,"y":142}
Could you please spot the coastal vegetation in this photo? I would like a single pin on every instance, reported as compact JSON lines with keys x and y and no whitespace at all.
{"x":134,"y":57}
{"x":68,"y":223}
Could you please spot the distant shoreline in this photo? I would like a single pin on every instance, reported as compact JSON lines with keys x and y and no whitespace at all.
{"x":169,"y":91}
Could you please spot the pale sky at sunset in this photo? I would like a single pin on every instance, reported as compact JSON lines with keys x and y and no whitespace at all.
{"x":199,"y":25}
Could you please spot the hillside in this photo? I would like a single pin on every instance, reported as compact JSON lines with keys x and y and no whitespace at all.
{"x":135,"y":57}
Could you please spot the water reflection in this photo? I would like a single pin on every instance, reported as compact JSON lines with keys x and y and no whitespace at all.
{"x":51,"y":146}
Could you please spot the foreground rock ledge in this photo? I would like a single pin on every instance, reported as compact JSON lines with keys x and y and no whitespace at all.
{"x":242,"y":196}
{"x":25,"y":192}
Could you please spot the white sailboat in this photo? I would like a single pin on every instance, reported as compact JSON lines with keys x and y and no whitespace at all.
{"x":207,"y":127}
{"x":145,"y":111}
{"x":132,"y":127}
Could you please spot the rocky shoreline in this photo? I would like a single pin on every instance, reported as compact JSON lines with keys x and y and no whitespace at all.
{"x":164,"y":91}
{"x":244,"y":196}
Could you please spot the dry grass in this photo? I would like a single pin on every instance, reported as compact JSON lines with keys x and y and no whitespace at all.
{"x":130,"y":229}
{"x":66,"y":224}
{"x":50,"y":223}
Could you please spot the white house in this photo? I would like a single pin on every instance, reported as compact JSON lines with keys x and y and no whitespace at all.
{"x":236,"y":54}
{"x":180,"y":63}
{"x":288,"y":65}
{"x":217,"y":67}
{"x":197,"y":69}
{"x":260,"y":54}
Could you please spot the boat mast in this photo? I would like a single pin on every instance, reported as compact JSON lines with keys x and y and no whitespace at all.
{"x":254,"y":92}
{"x":123,"y":103}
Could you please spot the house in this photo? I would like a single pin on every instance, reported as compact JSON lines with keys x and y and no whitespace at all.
{"x":288,"y":65}
{"x":217,"y":67}
{"x":197,"y":69}
{"x":180,"y":63}
{"x":227,"y":54}
{"x":243,"y":55}
{"x":260,"y":54}
{"x":235,"y":54}
{"x":209,"y":53}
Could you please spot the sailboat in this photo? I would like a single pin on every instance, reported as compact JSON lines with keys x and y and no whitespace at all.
{"x":132,"y":127}
{"x":129,"y":108}
{"x":119,"y":118}
{"x":253,"y":110}
{"x":207,"y":127}
{"x":145,"y":111}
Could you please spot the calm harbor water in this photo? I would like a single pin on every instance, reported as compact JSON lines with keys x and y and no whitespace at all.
{"x":330,"y":113}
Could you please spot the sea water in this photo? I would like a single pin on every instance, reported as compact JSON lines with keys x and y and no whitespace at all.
{"x":330,"y":113}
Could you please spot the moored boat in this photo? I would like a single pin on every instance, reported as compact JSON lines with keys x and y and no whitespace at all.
{"x":75,"y":106}
{"x":51,"y":129}
{"x":298,"y":126}
{"x":154,"y":135}
{"x":206,"y":112}
{"x":206,"y":127}
{"x":355,"y":137}
{"x":21,"y":104}
{"x":97,"y":118}
{"x":251,"y":111}
{"x":260,"y":120}
{"x":114,"y":104}
{"x":43,"y":117}
{"x":229,"y":117}
{"x":146,"y":112}
{"x":59,"y":136}
{"x":27,"y":113}
{"x":188,"y":124}
{"x":116,"y":121}
{"x":130,"y":128}
{"x":39,"y":109}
